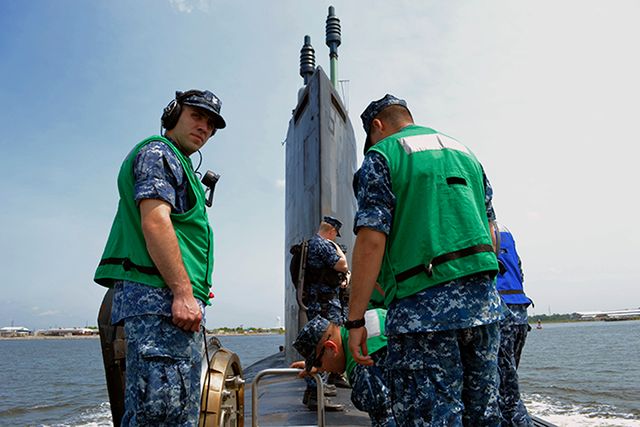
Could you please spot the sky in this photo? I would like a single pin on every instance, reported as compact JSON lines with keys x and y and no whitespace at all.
{"x":546,"y":93}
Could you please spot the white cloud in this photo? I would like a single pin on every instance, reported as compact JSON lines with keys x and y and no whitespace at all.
{"x":187,"y":6}
{"x":49,"y":313}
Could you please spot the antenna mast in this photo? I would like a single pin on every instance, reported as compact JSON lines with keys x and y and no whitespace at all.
{"x":307,"y":60}
{"x":333,"y":41}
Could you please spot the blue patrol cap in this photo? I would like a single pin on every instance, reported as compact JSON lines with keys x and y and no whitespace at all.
{"x":207,"y":101}
{"x":308,"y":339}
{"x":375,"y":107}
{"x":333,"y":222}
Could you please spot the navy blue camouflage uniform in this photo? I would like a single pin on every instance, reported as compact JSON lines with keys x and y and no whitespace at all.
{"x":443,"y":341}
{"x":322,"y":299}
{"x":163,"y":361}
{"x":513,"y":334}
{"x":369,"y":390}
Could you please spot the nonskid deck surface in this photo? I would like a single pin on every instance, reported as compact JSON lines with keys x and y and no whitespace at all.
{"x":280,"y":401}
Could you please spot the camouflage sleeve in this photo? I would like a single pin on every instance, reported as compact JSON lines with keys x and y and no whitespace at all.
{"x":329,"y":255}
{"x":157,"y":172}
{"x":376,"y":201}
{"x":488,"y":197}
{"x":322,"y":254}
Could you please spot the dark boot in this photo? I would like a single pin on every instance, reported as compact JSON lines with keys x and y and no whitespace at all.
{"x":311,"y":401}
{"x":329,"y":390}
{"x":338,"y":380}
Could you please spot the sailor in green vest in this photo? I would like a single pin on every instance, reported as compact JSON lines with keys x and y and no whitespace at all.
{"x":423,"y":233}
{"x":159,"y":259}
{"x":323,"y":344}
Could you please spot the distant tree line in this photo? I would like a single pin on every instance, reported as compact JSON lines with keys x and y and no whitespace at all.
{"x":243,"y":330}
{"x":571,"y":317}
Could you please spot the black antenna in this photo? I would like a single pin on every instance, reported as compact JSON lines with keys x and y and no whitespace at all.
{"x":307,"y":60}
{"x":333,"y":41}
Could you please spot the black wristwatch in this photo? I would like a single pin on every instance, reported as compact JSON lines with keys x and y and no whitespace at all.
{"x":354,"y":324}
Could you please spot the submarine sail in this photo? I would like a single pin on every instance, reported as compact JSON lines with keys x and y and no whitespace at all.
{"x":320,"y":163}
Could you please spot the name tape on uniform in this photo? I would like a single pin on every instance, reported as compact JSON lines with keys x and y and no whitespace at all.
{"x":434,"y":141}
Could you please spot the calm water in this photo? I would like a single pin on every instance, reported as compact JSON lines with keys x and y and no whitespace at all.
{"x":582,"y":374}
{"x":61,"y":382}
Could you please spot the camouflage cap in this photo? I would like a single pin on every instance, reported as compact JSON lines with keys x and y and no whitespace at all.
{"x":375,"y":107}
{"x":207,"y":101}
{"x":333,"y":222}
{"x":308,"y":339}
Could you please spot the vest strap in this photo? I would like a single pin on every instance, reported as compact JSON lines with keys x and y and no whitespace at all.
{"x":441,"y":259}
{"x":127,"y":264}
{"x":511,"y":292}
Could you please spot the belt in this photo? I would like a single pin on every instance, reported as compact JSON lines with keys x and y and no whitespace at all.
{"x":441,"y":259}
{"x":511,"y":292}
{"x":127,"y":264}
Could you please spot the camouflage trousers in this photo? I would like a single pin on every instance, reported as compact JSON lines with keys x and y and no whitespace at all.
{"x":512,"y":339}
{"x":163,"y":373}
{"x":370,"y":392}
{"x":445,"y":378}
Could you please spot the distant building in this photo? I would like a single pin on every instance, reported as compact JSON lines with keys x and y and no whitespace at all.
{"x":625,"y":314}
{"x":15,"y":331}
{"x":65,"y":332}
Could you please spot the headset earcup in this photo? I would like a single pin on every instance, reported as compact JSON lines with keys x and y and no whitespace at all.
{"x":170,"y":115}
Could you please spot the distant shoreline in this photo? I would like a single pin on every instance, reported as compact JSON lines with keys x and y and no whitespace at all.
{"x":51,"y":337}
{"x":547,"y":321}
{"x":84,"y":337}
{"x":235,"y":334}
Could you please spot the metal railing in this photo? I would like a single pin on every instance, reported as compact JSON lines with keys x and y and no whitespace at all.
{"x":282,"y":372}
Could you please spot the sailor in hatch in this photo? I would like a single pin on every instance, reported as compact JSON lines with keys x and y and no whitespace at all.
{"x":159,"y":259}
{"x":423,"y":232}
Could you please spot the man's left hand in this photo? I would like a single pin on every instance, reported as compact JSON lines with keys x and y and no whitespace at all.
{"x":186,"y":313}
{"x":301,"y":365}
{"x":358,"y":346}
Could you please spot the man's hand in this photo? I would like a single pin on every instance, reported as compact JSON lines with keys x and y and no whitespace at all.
{"x":347,"y":280}
{"x":358,"y":346}
{"x":301,"y":365}
{"x":186,"y":313}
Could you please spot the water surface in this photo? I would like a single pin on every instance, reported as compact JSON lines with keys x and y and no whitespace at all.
{"x":572,"y":374}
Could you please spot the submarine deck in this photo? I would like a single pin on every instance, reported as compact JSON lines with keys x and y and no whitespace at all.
{"x":280,"y":400}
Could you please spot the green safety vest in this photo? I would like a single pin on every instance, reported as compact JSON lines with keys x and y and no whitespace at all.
{"x":125,"y":255}
{"x":440,"y":229}
{"x":376,"y":339}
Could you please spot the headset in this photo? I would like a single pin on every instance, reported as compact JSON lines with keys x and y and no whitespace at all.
{"x":171,"y":112}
